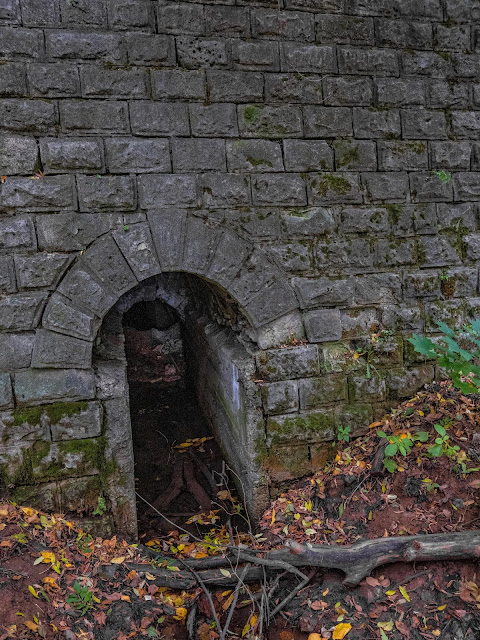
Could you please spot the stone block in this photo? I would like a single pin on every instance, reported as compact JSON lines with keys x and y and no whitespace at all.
{"x":400,"y":92}
{"x":255,"y":56}
{"x":279,"y":189}
{"x":134,"y":155}
{"x":421,"y":284}
{"x":371,"y":123}
{"x":255,"y":273}
{"x":459,"y":282}
{"x":427,"y":187}
{"x":356,"y":61}
{"x":466,"y":124}
{"x":402,"y":317}
{"x":40,"y":13}
{"x":137,"y":247}
{"x":280,"y":331}
{"x":200,"y":246}
{"x":234,"y":86}
{"x":20,"y":43}
{"x":338,"y":358}
{"x":457,"y":217}
{"x":86,"y":291}
{"x":34,"y":386}
{"x":372,"y":389}
{"x":327,"y":6}
{"x":359,"y":322}
{"x":62,"y":317}
{"x":423,"y":124}
{"x":228,"y":260}
{"x":327,"y":122}
{"x":104,"y":258}
{"x":247,"y":156}
{"x":323,"y":291}
{"x":355,"y":155}
{"x":193,"y":155}
{"x":17,"y":233}
{"x":447,"y":94}
{"x":276,"y":365}
{"x":80,"y":420}
{"x":348,"y":90}
{"x":280,"y":397}
{"x":156,"y":118}
{"x":54,"y":350}
{"x":307,"y":58}
{"x":161,"y":190}
{"x":438,"y":251}
{"x":150,"y":49}
{"x":85,"y":13}
{"x":12,"y":80}
{"x":286,"y":463}
{"x":15,"y":351}
{"x":126,"y":15}
{"x":386,"y":186}
{"x":223,"y":189}
{"x":356,"y":416}
{"x":289,"y":87}
{"x":71,"y":232}
{"x":307,"y":222}
{"x":224,"y":20}
{"x":317,"y":392}
{"x":311,"y":426}
{"x":322,"y":325}
{"x":168,"y":232}
{"x":71,"y":155}
{"x":110,"y":379}
{"x":113,"y":83}
{"x":354,"y":252}
{"x":53,"y":192}
{"x":178,"y":84}
{"x":86,"y":45}
{"x":18,"y":155}
{"x":94,"y":116}
{"x":364,"y":219}
{"x":294,"y":256}
{"x":29,"y":116}
{"x":404,"y":34}
{"x":195,"y":53}
{"x":404,"y":383}
{"x":402,"y":156}
{"x":6,"y":395}
{"x":452,"y":37}
{"x":57,"y":80}
{"x":216,"y":120}
{"x":343,"y":29}
{"x":377,"y":288}
{"x":7,"y":275}
{"x":291,"y":25}
{"x":392,"y":253}
{"x":106,"y":192}
{"x":307,"y":155}
{"x":451,"y":312}
{"x":467,"y":186}
{"x":180,"y":18}
{"x":259,"y":121}
{"x":332,"y":188}
{"x":42,"y":270}
{"x":427,"y":63}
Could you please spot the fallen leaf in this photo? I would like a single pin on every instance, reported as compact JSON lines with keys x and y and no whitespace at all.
{"x":341,"y":630}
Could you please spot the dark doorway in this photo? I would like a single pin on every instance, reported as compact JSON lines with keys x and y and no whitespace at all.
{"x":174,"y":469}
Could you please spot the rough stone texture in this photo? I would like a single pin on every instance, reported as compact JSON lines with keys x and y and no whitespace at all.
{"x":318,"y":160}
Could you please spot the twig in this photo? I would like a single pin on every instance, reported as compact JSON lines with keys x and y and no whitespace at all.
{"x":223,"y":634}
{"x":290,"y":596}
{"x":208,"y":595}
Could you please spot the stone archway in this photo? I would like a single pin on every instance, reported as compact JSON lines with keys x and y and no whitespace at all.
{"x":102,"y":277}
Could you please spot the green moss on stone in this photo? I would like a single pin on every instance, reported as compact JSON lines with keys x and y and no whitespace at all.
{"x":347,"y":155}
{"x":30,"y":415}
{"x":334,"y":183}
{"x":54,"y":412}
{"x":250,"y":114}
{"x":258,"y":162}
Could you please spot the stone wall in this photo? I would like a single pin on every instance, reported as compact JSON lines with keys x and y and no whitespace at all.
{"x":318,"y":160}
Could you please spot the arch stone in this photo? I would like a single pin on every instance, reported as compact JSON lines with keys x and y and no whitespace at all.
{"x":119,"y":260}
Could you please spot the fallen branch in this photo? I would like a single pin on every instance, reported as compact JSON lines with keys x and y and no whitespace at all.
{"x":356,"y":561}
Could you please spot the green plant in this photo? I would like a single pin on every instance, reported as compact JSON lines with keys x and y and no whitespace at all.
{"x":442,"y":445}
{"x":82,"y":598}
{"x":443,"y":175}
{"x":401,"y":444}
{"x":344,"y":433}
{"x":100,"y":508}
{"x":460,"y":364}
{"x":375,"y":343}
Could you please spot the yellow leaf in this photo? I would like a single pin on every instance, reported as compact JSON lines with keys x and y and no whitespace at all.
{"x":180,"y":613}
{"x":225,"y":573}
{"x":3,"y":513}
{"x":118,"y":560}
{"x":315,"y":636}
{"x":28,"y":511}
{"x":245,"y":629}
{"x":436,"y":632}
{"x":420,"y":413}
{"x":253,"y":620}
{"x":386,"y":626}
{"x":125,"y":598}
{"x":444,"y":606}
{"x":273,"y":516}
{"x":228,"y":602}
{"x":404,"y":593}
{"x":31,"y":625}
{"x":149,"y":576}
{"x":341,"y":630}
{"x":226,"y":593}
{"x":32,"y":591}
{"x":392,"y":592}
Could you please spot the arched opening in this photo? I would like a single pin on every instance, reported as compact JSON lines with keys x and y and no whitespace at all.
{"x":179,"y":349}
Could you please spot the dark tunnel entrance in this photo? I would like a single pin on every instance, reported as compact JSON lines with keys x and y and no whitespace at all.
{"x":178,"y":464}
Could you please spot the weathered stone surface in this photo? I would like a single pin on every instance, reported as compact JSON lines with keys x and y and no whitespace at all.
{"x":88,"y":45}
{"x":62,"y":317}
{"x":40,"y":270}
{"x":234,"y":86}
{"x":136,"y":244}
{"x":307,"y":155}
{"x":280,"y":397}
{"x":17,"y":234}
{"x":310,"y":221}
{"x":55,"y":192}
{"x":53,"y":350}
{"x":35,"y":387}
{"x":94,"y":116}
{"x":146,"y":48}
{"x":404,"y":383}
{"x":104,"y":193}
{"x":18,"y":155}
{"x":107,"y":262}
{"x":15,"y":351}
{"x":57,"y":80}
{"x":317,"y":392}
{"x":287,"y":87}
{"x":7,"y":275}
{"x":6,"y":395}
{"x":156,"y":191}
{"x":373,"y":388}
{"x":279,"y":189}
{"x":168,"y":232}
{"x":257,"y":121}
{"x":323,"y":325}
{"x":225,"y":190}
{"x":313,"y":292}
{"x":284,"y":364}
{"x":59,"y":155}
{"x":248,"y":156}
{"x":312,"y":426}
{"x":133,"y":155}
{"x":178,"y":84}
{"x":198,"y":155}
{"x":71,"y":232}
{"x":20,"y":312}
{"x":28,"y":116}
